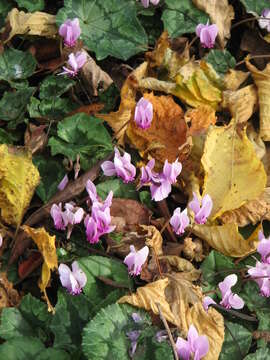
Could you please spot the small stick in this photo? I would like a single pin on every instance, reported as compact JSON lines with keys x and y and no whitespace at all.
{"x":162,"y":318}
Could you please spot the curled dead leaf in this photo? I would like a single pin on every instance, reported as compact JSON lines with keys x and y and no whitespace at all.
{"x":257,"y":142}
{"x":9,"y":297}
{"x":37,"y":23}
{"x":234,"y":78}
{"x":187,"y":270}
{"x":221,"y":14}
{"x":201,"y":118}
{"x":18,"y":180}
{"x":153,"y":239}
{"x":193,"y":249}
{"x":231,"y":165}
{"x":35,"y":138}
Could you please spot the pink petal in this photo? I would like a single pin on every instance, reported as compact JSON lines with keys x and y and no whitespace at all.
{"x":236,"y":302}
{"x":79,"y":274}
{"x":1,"y":240}
{"x":207,"y":300}
{"x":194,"y":204}
{"x":108,"y":168}
{"x":201,"y":347}
{"x":92,"y":191}
{"x":64,"y":272}
{"x":227,"y":284}
{"x":78,"y":216}
{"x":183,"y":349}
{"x":63,"y":183}
{"x":192,"y":336}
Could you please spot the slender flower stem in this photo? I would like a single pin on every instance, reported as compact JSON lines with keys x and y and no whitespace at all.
{"x":162,"y":318}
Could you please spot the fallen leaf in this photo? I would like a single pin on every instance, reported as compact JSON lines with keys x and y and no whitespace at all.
{"x":193,"y":249}
{"x":257,"y":142}
{"x":18,"y":180}
{"x":231,"y":165}
{"x":153,"y":239}
{"x":93,"y":76}
{"x":266,"y":164}
{"x":201,"y":118}
{"x":253,"y":43}
{"x":241,"y":103}
{"x":181,"y":305}
{"x":226,"y":239}
{"x":46,"y":246}
{"x":37,"y":23}
{"x":221,"y":14}
{"x":9,"y":297}
{"x":119,"y":120}
{"x":234,"y":78}
{"x":185,"y":267}
{"x":168,"y":123}
{"x":90,"y":109}
{"x":261,"y":79}
{"x":250,"y":213}
{"x":35,"y":138}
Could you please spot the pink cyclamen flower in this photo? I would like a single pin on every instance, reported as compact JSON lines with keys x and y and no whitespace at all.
{"x":147,"y":173}
{"x":263,"y":248}
{"x":261,"y":275}
{"x":143,"y":113}
{"x":179,"y":221}
{"x":63,"y":183}
{"x":1,"y":240}
{"x":201,"y":209}
{"x":265,"y":22}
{"x":70,"y":31}
{"x":207,"y":34}
{"x":229,"y":299}
{"x":195,"y":345}
{"x":135,"y":260}
{"x":75,"y":280}
{"x":56,"y":214}
{"x":120,"y":166}
{"x":133,"y":337}
{"x":75,"y":63}
{"x":146,"y":3}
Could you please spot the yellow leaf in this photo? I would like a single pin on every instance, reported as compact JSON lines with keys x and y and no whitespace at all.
{"x":226,"y":239}
{"x":37,"y":23}
{"x":181,"y":305}
{"x":233,"y":172}
{"x":221,"y":14}
{"x":18,"y":180}
{"x":153,"y":239}
{"x":188,"y":271}
{"x":234,"y":78}
{"x":46,"y":246}
{"x":241,"y":103}
{"x":262,"y":81}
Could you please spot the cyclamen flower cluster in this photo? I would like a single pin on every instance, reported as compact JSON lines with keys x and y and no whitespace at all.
{"x":201,"y":209}
{"x":229,"y":299}
{"x":99,"y":222}
{"x":135,"y":260}
{"x":195,"y":347}
{"x":261,"y":272}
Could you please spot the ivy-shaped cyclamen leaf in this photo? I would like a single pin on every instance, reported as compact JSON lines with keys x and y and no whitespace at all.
{"x":255,"y":7}
{"x":31,"y":5}
{"x":108,"y":27}
{"x":221,"y":60}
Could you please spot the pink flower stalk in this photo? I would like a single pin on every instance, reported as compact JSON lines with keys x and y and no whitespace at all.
{"x":146,"y":3}
{"x":264,"y":248}
{"x":261,"y":275}
{"x":195,"y":345}
{"x":75,"y":280}
{"x":143,"y":113}
{"x":75,"y":63}
{"x":70,"y":31}
{"x":207,"y":34}
{"x":121,"y":167}
{"x":265,"y":22}
{"x":229,"y":299}
{"x":63,"y":183}
{"x":135,"y":260}
{"x":179,"y":221}
{"x":201,"y":209}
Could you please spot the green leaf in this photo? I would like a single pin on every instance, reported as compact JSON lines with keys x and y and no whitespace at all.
{"x":51,"y":108}
{"x":235,"y":347}
{"x":16,"y":65}
{"x":51,"y":172}
{"x":53,"y":354}
{"x":109,"y":98}
{"x":13,"y":106}
{"x":215,"y":268}
{"x":5,"y":7}
{"x":108,"y":27}
{"x":181,"y":17}
{"x":31,"y":5}
{"x":7,"y":137}
{"x":261,"y":354}
{"x":221,"y":60}
{"x":21,"y":348}
{"x":255,"y":6}
{"x":104,"y":337}
{"x":120,"y":189}
{"x":13,"y":324}
{"x":84,"y":135}
{"x":53,"y":86}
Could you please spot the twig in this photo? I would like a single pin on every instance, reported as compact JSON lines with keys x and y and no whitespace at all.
{"x":162,"y":318}
{"x":253,"y":57}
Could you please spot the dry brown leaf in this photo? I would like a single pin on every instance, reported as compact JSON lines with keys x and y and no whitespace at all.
{"x":241,"y":103}
{"x":9,"y":297}
{"x":168,"y":123}
{"x":193,"y":249}
{"x":201,"y":118}
{"x":18,"y":181}
{"x":250,"y":213}
{"x":226,"y":239}
{"x":221,"y":14}
{"x":231,"y":165}
{"x":266,"y":164}
{"x":119,"y":120}
{"x":153,"y":239}
{"x":37,"y":23}
{"x":181,"y":305}
{"x":262,"y":81}
{"x":46,"y":246}
{"x":93,"y":76}
{"x":257,"y":142}
{"x":35,"y":138}
{"x":188,"y":271}
{"x":234,"y":78}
